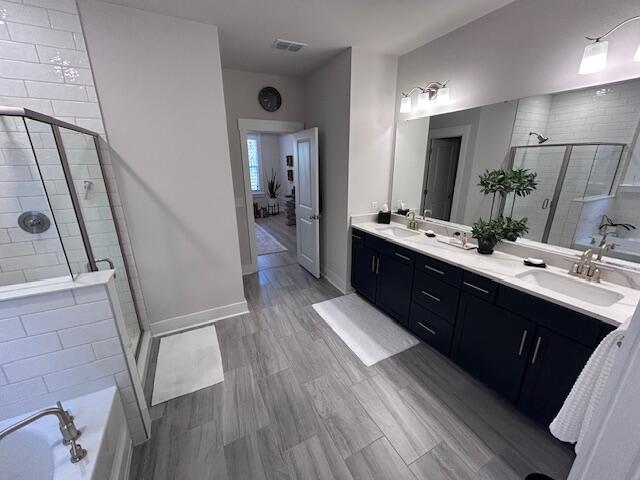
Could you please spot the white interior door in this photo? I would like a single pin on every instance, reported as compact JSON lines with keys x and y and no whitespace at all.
{"x":307,"y":200}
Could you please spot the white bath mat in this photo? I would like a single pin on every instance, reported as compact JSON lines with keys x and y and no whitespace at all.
{"x":187,"y":362}
{"x":368,"y":332}
{"x":267,"y":243}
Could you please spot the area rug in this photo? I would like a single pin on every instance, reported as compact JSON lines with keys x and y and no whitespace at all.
{"x":187,"y":362}
{"x":267,"y":243}
{"x":369,"y":333}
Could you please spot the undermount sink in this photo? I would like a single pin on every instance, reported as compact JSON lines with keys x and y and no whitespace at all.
{"x":398,"y":232}
{"x":572,"y":287}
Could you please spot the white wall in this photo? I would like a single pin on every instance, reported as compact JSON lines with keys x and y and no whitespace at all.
{"x":410,"y":155}
{"x":327,"y":94}
{"x":159,"y":81}
{"x":286,"y":148}
{"x":523,"y":49}
{"x":371,"y":129}
{"x":241,"y":101}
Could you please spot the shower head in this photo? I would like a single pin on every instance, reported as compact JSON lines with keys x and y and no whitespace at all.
{"x":541,"y":138}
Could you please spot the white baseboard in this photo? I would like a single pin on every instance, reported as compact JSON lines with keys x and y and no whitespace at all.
{"x":335,"y":280}
{"x":191,"y":320}
{"x":249,"y":269}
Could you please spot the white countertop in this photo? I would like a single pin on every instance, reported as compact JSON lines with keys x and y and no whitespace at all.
{"x":503,"y":268}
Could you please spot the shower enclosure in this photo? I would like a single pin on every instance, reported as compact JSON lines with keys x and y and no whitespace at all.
{"x":568,"y":175}
{"x":57,"y":216}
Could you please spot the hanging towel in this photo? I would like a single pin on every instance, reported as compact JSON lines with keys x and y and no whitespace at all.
{"x":574,"y":418}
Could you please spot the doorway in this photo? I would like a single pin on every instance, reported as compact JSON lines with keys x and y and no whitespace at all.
{"x":440,"y":175}
{"x":272,"y":163}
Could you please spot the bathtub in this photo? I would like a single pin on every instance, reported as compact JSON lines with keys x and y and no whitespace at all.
{"x":37,"y":452}
{"x":625,"y":248}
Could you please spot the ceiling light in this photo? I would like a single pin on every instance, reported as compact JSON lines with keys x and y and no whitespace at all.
{"x":405,"y":104}
{"x":594,"y":58}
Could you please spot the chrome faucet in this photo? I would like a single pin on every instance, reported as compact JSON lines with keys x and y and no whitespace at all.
{"x":67,"y":428}
{"x":585,"y":267}
{"x":605,"y":247}
{"x":413,"y":223}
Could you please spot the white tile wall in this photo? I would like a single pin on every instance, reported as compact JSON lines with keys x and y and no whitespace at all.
{"x":44,"y":66}
{"x":60,"y":345}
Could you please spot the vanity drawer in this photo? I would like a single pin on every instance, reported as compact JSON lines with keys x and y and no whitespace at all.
{"x":401,"y":254}
{"x":431,"y":328}
{"x":480,"y":286}
{"x":569,"y":323}
{"x":357,"y":236}
{"x":436,"y":296}
{"x":441,"y":270}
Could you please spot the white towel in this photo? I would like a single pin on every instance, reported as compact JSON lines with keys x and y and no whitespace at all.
{"x":574,"y":418}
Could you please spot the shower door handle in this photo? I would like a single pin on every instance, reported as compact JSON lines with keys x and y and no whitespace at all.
{"x":545,"y":204}
{"x":107,"y":260}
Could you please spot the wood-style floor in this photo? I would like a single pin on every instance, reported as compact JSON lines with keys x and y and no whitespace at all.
{"x":286,"y":234}
{"x":296,"y":403}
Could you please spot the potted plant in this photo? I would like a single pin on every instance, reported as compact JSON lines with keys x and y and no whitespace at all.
{"x":523,"y":182}
{"x":514,"y":228}
{"x":488,"y":234}
{"x":272,"y":188}
{"x":495,"y":182}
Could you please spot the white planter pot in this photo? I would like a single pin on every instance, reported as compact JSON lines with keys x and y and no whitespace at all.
{"x":272,"y":201}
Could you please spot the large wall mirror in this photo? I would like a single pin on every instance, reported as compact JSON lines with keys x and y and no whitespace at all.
{"x":583,"y":145}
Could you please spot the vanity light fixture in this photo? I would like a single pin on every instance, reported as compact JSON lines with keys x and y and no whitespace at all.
{"x":433,"y":92}
{"x":594,"y":58}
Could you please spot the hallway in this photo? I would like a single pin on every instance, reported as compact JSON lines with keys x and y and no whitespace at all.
{"x":277,"y":226}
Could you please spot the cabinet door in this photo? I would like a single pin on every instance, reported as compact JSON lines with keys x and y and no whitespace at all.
{"x":395,"y":279}
{"x":492,"y":344}
{"x":552,"y":370}
{"x":363,"y":271}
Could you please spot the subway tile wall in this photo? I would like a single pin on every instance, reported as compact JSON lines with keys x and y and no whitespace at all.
{"x":44,"y":66}
{"x":608,"y":113}
{"x":59,"y":345}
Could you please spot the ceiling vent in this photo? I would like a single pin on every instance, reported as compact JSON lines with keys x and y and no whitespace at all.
{"x":288,"y":45}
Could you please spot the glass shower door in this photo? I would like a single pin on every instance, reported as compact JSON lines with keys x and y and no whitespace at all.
{"x":547,"y":162}
{"x":87,"y":175}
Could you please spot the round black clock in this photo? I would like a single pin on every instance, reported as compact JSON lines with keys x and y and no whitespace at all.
{"x":270,"y":99}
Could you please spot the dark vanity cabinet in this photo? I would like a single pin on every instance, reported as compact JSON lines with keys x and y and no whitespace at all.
{"x":528,"y":349}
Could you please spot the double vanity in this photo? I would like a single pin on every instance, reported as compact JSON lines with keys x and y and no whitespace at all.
{"x":525,"y":332}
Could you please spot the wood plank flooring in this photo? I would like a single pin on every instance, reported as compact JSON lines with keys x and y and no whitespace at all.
{"x":286,"y":234}
{"x":296,"y":403}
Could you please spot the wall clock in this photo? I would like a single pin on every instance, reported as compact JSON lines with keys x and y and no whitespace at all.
{"x":270,"y":99}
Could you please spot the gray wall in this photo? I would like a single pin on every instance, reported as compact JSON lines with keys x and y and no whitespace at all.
{"x":159,"y":82}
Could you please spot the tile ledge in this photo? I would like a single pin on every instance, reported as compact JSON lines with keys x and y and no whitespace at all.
{"x":57,"y":284}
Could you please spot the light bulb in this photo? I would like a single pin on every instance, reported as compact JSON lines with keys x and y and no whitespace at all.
{"x":423,"y":100}
{"x":405,"y":105}
{"x":636,"y":57}
{"x":594,"y":58}
{"x":444,"y":96}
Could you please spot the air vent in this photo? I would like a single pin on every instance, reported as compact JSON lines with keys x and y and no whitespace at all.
{"x":288,"y":45}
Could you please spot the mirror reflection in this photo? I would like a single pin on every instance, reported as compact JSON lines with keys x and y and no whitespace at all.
{"x":581,"y":145}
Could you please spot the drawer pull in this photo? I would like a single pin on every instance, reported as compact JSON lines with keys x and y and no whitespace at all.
{"x":356,"y":236}
{"x":435,"y":270}
{"x":431,"y":331}
{"x":430,"y":296}
{"x":373,"y":264}
{"x":535,"y":352}
{"x":402,"y":257}
{"x":476,"y":287}
{"x":524,"y":337}
{"x":377,"y":265}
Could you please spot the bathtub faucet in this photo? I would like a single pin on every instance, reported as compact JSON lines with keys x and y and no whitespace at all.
{"x":68,"y":429}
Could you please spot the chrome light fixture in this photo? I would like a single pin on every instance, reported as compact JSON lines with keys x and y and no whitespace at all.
{"x":594,"y":58}
{"x":433,"y":92}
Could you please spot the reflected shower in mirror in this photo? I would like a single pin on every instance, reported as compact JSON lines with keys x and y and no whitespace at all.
{"x":581,"y":144}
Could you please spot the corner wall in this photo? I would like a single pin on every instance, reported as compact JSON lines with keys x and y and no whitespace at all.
{"x":159,"y":81}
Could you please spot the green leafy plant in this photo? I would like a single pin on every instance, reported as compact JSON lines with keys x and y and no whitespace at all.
{"x":523,"y":183}
{"x":272,"y":185}
{"x":513,"y":229}
{"x":495,"y":182}
{"x":488,"y":233}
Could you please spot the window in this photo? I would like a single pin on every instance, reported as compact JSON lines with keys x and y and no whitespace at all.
{"x":255,"y":169}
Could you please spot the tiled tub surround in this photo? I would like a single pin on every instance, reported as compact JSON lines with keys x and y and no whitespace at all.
{"x":44,"y":66}
{"x":503,"y":267}
{"x":60,"y":339}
